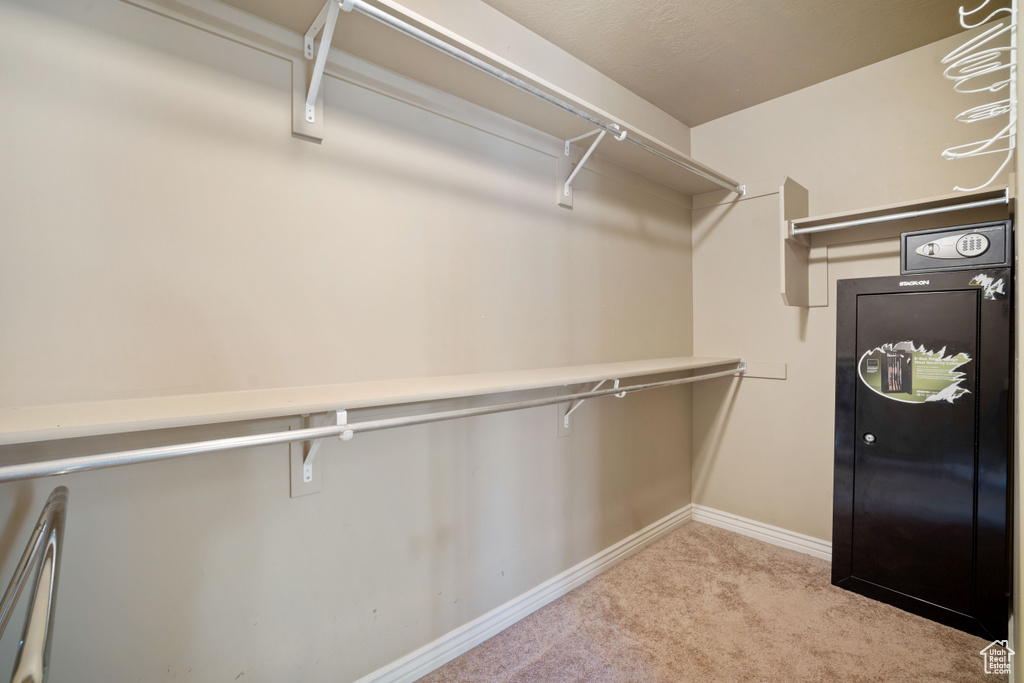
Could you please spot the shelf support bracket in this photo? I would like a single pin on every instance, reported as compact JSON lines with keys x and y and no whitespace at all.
{"x":337,"y":417}
{"x":565,"y":196}
{"x":324,"y":21}
{"x":576,"y":404}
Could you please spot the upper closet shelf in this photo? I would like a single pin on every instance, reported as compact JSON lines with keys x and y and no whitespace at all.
{"x":484,"y":61}
{"x":805,"y":240}
{"x":43,"y":423}
{"x":892,"y":213}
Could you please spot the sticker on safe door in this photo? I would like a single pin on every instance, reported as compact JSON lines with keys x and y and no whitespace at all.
{"x":905,"y":372}
{"x":992,"y":289}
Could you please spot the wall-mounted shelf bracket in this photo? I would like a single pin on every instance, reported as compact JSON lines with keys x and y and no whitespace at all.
{"x":325,"y":21}
{"x":576,"y":404}
{"x":304,"y":113}
{"x":565,"y":196}
{"x":337,"y":417}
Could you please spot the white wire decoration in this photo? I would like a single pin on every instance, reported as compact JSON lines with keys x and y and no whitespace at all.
{"x":986,"y":63}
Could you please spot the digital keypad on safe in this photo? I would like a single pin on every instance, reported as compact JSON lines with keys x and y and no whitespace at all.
{"x":972,"y":244}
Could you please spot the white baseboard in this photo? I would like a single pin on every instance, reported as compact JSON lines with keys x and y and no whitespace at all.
{"x":451,"y":645}
{"x":763,"y":532}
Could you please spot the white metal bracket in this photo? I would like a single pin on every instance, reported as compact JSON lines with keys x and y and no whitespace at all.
{"x":743,"y":367}
{"x":576,"y":404}
{"x":565,"y":191}
{"x":579,"y":167}
{"x":338,"y":417}
{"x":325,"y":21}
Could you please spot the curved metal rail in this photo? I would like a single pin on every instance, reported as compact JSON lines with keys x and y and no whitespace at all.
{"x":44,"y":546}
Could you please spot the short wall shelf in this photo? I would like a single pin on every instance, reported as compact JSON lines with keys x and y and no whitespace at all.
{"x":804,"y":255}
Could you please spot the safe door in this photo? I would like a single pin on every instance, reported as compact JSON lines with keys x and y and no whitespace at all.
{"x":922,"y":443}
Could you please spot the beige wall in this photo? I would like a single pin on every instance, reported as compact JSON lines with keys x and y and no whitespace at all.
{"x":163,"y":233}
{"x":764,"y":450}
{"x":271,"y":262}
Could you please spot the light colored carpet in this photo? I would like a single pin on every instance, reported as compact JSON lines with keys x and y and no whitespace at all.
{"x":704,"y":604}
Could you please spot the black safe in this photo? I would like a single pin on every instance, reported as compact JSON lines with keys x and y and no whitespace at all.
{"x":961,"y":247}
{"x":922,"y":441}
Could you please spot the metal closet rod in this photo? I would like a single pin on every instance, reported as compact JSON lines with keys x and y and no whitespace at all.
{"x":49,"y":468}
{"x":907,"y":214}
{"x":477,"y":63}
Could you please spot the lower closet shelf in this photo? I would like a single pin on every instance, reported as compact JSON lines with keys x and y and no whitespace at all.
{"x":44,"y":423}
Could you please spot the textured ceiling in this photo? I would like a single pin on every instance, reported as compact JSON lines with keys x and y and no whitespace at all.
{"x":702,"y":59}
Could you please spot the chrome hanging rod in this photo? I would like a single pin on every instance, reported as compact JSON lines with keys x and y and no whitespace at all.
{"x":45,"y":545}
{"x":48,"y":468}
{"x":477,"y":63}
{"x":901,"y":216}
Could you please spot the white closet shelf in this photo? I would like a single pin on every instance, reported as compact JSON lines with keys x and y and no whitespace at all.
{"x":375,"y":56}
{"x":892,"y":212}
{"x":642,"y":152}
{"x":45,"y":423}
{"x":804,"y":241}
